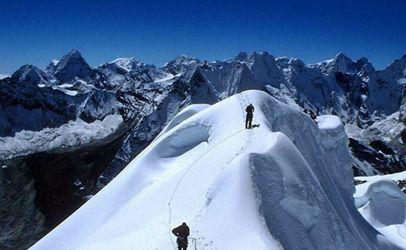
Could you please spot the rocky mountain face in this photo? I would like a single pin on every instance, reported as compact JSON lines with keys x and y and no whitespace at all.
{"x":113,"y":111}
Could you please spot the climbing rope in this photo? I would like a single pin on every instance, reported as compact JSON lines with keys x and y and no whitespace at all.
{"x":184,"y":174}
{"x":192,"y":164}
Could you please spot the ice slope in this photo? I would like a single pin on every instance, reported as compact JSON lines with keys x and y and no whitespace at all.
{"x":383,"y":205}
{"x":287,"y":184}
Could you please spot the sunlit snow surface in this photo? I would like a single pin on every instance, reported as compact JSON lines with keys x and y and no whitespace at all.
{"x":287,"y":183}
{"x":328,"y":122}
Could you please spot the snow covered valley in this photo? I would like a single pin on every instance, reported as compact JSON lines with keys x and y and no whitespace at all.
{"x":286,"y":184}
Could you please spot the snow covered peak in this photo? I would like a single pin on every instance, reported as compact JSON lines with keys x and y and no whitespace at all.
{"x":31,"y":74}
{"x":340,"y":63}
{"x":184,"y":59}
{"x":262,"y":66}
{"x":181,"y":64}
{"x":285,"y":62}
{"x":130,"y":72}
{"x":255,"y":57}
{"x":125,"y":62}
{"x":70,"y":66}
{"x":286,"y":184}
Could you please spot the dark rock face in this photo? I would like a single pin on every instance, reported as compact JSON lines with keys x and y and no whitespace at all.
{"x":378,"y":154}
{"x":402,"y":185}
{"x":344,"y":80}
{"x":40,"y":190}
{"x":22,"y":223}
{"x":64,"y":180}
{"x":403,"y":135}
{"x":71,"y":66}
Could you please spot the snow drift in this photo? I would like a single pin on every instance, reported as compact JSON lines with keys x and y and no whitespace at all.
{"x":383,"y":205}
{"x":287,"y":184}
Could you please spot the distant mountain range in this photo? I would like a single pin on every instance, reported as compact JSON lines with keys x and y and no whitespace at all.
{"x":68,"y":129}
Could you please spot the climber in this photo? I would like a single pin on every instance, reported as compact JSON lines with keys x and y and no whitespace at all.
{"x":311,"y":113}
{"x":250,"y":114}
{"x":182,"y":232}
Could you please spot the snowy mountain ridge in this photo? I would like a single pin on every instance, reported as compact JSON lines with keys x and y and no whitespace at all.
{"x":276,"y":187}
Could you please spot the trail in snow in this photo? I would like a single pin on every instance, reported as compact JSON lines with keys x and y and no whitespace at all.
{"x":243,"y":103}
{"x":184,"y":174}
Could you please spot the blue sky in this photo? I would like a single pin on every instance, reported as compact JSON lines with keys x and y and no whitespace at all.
{"x":35,"y":32}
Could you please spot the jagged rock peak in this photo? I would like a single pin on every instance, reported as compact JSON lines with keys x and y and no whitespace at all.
{"x":30,"y":74}
{"x":342,"y":56}
{"x":363,"y":60}
{"x":364,"y":65}
{"x":340,"y":63}
{"x":242,"y":56}
{"x":72,"y":65}
{"x":262,"y":61}
{"x":73,"y":55}
{"x":181,"y":63}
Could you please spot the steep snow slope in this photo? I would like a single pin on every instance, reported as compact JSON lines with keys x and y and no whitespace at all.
{"x":285,"y":184}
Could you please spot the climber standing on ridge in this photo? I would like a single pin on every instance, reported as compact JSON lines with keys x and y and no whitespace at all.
{"x":311,"y":113}
{"x":250,"y":115}
{"x":182,"y":232}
